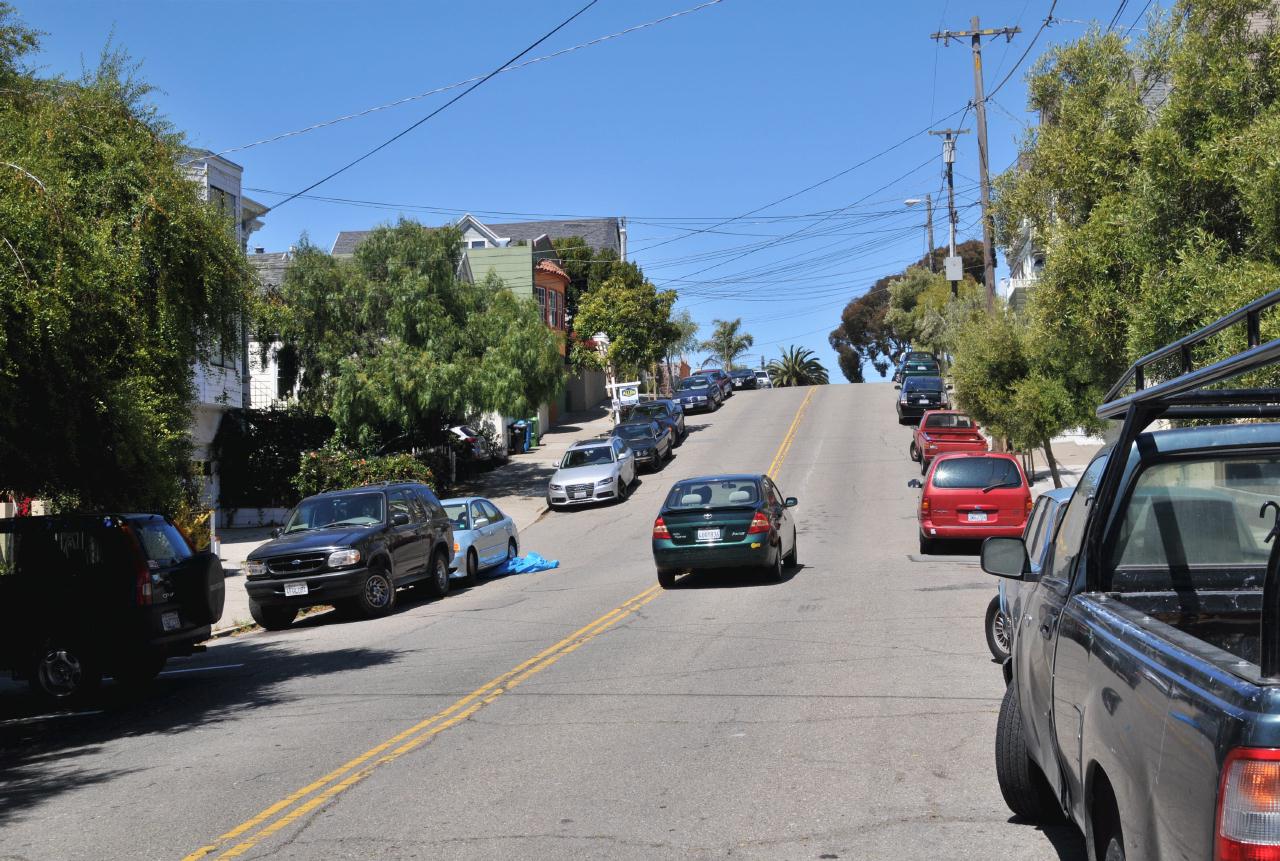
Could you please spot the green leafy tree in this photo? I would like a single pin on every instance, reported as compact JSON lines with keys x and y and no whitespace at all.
{"x":635,"y":317}
{"x":1155,"y":218}
{"x":728,"y":342}
{"x":114,"y":277}
{"x":585,"y":266}
{"x":797,"y":367}
{"x":391,"y":345}
{"x":923,"y":312}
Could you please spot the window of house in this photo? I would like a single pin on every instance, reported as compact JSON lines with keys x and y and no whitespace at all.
{"x":477,"y":243}
{"x":540,"y":293}
{"x":223,"y":201}
{"x":553,"y":311}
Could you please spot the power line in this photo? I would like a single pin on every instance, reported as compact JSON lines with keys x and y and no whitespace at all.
{"x":447,"y":87}
{"x":1139,"y":18}
{"x":1116,"y":17}
{"x":438,"y":110}
{"x":1048,"y":19}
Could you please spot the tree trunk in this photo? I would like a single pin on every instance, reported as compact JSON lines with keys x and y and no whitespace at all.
{"x":1053,"y":464}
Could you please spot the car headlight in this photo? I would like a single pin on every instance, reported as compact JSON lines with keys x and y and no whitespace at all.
{"x":602,"y":482}
{"x":342,"y":558}
{"x":556,"y":487}
{"x":254,"y":567}
{"x":701,"y":397}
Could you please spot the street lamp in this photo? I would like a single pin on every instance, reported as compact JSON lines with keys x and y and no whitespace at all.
{"x":928,"y":225}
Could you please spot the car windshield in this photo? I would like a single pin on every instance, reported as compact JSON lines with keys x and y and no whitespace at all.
{"x":658,"y":411}
{"x":457,"y":512}
{"x":976,"y":473}
{"x":949,"y":420}
{"x":346,"y":509}
{"x":691,"y":384}
{"x":634,"y":431}
{"x":703,"y":493}
{"x":923,"y":384}
{"x":592,"y":456}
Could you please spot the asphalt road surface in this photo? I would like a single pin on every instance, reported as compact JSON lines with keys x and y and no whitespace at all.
{"x":848,"y":712}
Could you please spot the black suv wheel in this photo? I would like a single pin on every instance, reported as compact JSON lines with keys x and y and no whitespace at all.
{"x":437,"y":581}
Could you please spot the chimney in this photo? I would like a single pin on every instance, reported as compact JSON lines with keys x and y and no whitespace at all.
{"x":259,"y":250}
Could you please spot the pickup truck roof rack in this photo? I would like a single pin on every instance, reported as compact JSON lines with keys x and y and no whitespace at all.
{"x":1184,"y":396}
{"x":1187,"y":396}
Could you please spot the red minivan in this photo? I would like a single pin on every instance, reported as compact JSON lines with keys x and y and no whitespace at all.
{"x":972,"y":496}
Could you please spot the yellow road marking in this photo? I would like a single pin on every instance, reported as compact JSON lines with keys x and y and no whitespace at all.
{"x":281,"y":814}
{"x":787,"y":440}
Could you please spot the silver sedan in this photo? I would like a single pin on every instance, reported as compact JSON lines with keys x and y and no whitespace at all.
{"x":483,"y":537}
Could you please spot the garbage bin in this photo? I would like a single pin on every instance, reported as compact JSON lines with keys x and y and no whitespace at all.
{"x":520,"y":437}
{"x":535,"y":432}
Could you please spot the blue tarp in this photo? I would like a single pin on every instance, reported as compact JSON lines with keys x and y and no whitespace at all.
{"x":526,"y":564}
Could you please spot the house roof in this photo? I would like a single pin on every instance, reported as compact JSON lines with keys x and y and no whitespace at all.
{"x":598,"y":233}
{"x":271,"y":266}
{"x":553,"y":269}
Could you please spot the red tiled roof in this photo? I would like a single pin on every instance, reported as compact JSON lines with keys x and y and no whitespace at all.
{"x":552,"y":269}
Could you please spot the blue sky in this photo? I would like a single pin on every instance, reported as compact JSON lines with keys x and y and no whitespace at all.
{"x":676,"y":127}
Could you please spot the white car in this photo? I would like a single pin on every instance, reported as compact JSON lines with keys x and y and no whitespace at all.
{"x":598,"y":470}
{"x":763,"y":381}
{"x":480,"y":447}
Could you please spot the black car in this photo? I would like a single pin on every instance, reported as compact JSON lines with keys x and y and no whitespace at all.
{"x":351,"y":548}
{"x":743,"y":379}
{"x":82,"y":596}
{"x":665,"y":412}
{"x":917,"y":362}
{"x":650,"y":441}
{"x":919,"y":394}
{"x":699,"y":393}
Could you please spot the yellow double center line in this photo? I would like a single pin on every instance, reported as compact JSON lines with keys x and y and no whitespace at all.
{"x":314,"y":795}
{"x":791,"y":435}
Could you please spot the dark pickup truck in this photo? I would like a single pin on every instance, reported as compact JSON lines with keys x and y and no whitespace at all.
{"x":1143,"y":697}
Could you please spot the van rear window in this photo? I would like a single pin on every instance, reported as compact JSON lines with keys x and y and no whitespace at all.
{"x":976,"y":472}
{"x":162,"y":542}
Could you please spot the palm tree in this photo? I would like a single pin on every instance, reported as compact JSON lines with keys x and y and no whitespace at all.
{"x":797,"y":367}
{"x":726,"y":344}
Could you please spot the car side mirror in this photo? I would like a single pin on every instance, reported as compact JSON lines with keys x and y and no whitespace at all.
{"x":399,"y":519}
{"x":916,"y":483}
{"x":791,"y":502}
{"x":1005,"y":557}
{"x":896,"y":386}
{"x":275,"y":533}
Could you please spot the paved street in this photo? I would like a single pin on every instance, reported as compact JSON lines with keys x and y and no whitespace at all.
{"x":848,"y":712}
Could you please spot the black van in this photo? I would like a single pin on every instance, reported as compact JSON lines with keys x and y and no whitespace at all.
{"x":86,"y":595}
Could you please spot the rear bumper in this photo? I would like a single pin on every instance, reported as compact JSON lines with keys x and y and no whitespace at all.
{"x":915,"y":411}
{"x":739,"y":555}
{"x":974,"y":532}
{"x":951,"y":448}
{"x":321,"y":588}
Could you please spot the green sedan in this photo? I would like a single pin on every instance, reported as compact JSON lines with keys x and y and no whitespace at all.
{"x":724,"y":521}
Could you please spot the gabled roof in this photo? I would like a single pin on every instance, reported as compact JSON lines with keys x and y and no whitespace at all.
{"x":271,"y":267}
{"x":552,"y":269}
{"x":598,"y":233}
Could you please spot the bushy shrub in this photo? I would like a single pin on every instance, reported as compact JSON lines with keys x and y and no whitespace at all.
{"x":333,"y":467}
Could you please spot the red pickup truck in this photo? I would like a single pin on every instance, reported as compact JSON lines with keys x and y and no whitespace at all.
{"x":944,"y":432}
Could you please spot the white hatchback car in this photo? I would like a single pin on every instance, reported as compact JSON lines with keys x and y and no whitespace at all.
{"x":763,"y":381}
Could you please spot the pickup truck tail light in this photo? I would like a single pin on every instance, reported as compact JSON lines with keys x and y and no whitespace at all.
{"x":660,"y":529}
{"x":1030,"y":505}
{"x":759,"y":524}
{"x":1249,"y":806}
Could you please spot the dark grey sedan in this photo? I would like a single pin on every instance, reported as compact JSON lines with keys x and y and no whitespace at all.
{"x":650,"y":440}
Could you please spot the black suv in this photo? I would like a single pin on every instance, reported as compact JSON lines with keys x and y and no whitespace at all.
{"x":351,"y":548}
{"x":86,"y":595}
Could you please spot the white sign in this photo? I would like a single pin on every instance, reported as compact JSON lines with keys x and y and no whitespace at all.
{"x":626,"y":393}
{"x":954,"y":267}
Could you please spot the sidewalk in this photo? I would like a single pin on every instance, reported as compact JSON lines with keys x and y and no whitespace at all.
{"x":518,"y":488}
{"x":1072,"y":457}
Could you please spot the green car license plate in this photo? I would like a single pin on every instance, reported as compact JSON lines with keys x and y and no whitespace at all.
{"x":708,"y":534}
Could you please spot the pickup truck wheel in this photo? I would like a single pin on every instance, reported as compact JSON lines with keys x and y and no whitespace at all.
{"x":924,"y":466}
{"x":272,"y":618}
{"x":64,"y":671}
{"x":997,"y":626}
{"x":438,"y":579}
{"x":914,"y":452}
{"x":1023,"y":785}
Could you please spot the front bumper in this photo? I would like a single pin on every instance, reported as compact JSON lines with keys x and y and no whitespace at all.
{"x":698,"y":405}
{"x":742,"y":554}
{"x":322,"y":588}
{"x":602,"y":494}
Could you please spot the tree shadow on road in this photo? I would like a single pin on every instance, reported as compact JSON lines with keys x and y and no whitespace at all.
{"x":45,"y":752}
{"x":517,"y":478}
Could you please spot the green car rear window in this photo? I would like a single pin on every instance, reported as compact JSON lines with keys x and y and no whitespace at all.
{"x":716,"y":494}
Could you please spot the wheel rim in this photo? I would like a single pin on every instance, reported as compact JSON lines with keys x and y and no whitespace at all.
{"x":472,"y":565}
{"x":1000,"y":631}
{"x":511,"y":549}
{"x":442,"y":574}
{"x":60,"y":672}
{"x":377,"y":590}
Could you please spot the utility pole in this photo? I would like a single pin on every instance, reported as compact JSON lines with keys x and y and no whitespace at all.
{"x":928,"y":228}
{"x":980,"y":103}
{"x":954,"y":267}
